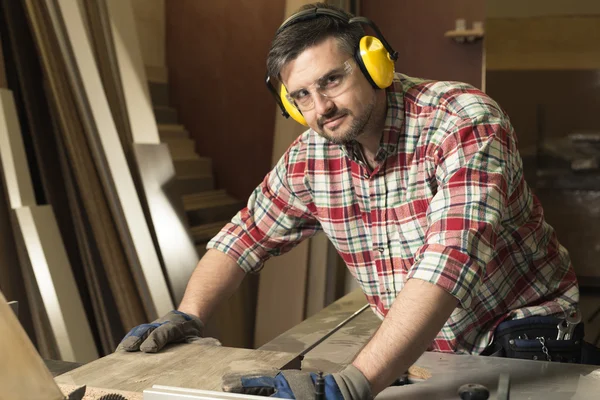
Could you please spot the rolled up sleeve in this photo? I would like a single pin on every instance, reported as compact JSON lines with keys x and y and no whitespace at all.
{"x":274,"y":221}
{"x":473,"y":177}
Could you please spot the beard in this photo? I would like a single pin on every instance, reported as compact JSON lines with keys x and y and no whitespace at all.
{"x":356,"y":128}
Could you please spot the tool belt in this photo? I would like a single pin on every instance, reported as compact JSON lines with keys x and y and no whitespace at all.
{"x":536,"y":338}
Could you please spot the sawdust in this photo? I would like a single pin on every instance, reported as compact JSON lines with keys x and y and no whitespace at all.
{"x":416,"y":372}
{"x":92,"y":393}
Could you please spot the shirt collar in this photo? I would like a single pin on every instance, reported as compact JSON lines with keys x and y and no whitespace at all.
{"x":394,"y":123}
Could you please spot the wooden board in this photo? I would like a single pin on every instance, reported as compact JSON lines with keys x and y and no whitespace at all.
{"x":3,"y":83}
{"x":131,"y":70}
{"x":554,"y":42}
{"x":187,"y":365}
{"x":24,"y":375}
{"x":110,"y":159}
{"x":54,"y":278}
{"x":342,"y":347}
{"x":301,"y":336}
{"x":177,"y":249}
{"x":12,"y":153}
{"x":43,"y":243}
{"x":86,"y":177}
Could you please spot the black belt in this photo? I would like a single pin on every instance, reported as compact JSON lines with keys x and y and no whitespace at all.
{"x":536,"y":338}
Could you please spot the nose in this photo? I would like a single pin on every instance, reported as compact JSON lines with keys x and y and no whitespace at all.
{"x":323,"y":105}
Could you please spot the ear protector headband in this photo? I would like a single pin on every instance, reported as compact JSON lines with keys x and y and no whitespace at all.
{"x":374,"y":56}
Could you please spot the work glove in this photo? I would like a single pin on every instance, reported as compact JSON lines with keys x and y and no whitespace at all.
{"x":175,"y":327}
{"x":350,"y":384}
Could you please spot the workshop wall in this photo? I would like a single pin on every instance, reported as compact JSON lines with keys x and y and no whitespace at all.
{"x":216,"y":55}
{"x":416,"y":31}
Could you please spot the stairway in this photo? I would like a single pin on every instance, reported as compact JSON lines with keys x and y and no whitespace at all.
{"x":207,"y":208}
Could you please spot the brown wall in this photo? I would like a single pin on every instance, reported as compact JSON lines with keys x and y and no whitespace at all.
{"x":416,"y":30}
{"x":216,"y":55}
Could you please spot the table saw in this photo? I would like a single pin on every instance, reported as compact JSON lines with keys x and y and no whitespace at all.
{"x":327,"y":342}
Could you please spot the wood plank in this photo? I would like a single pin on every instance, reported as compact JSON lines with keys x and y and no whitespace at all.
{"x":3,"y":82}
{"x":131,"y":71}
{"x":301,"y":336}
{"x":54,"y":277}
{"x":543,"y":43}
{"x":101,"y":131}
{"x":12,"y":151}
{"x":342,"y":347}
{"x":43,"y":242}
{"x":190,"y":366}
{"x":27,"y":378}
{"x":86,"y":176}
{"x":176,"y":246}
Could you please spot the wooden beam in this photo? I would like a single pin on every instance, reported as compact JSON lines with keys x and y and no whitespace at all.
{"x":12,"y":151}
{"x":54,"y":278}
{"x":24,"y":375}
{"x":165,"y":206}
{"x":84,"y":80}
{"x":86,"y":175}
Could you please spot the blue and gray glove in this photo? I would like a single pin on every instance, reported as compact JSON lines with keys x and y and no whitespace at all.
{"x":175,"y":327}
{"x":350,"y":384}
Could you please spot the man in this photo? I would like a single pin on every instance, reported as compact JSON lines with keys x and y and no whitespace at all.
{"x":419,"y":187}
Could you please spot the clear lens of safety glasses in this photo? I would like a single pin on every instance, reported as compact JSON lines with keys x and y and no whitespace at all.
{"x":331,"y":85}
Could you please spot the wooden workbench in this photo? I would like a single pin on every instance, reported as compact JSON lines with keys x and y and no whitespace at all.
{"x":202,"y":367}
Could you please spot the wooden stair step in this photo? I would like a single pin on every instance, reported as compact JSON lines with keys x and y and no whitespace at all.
{"x":194,"y":184}
{"x":172,"y":131}
{"x":159,"y":93}
{"x":198,"y":166}
{"x":204,"y":233}
{"x":182,"y":149}
{"x":165,"y":115}
{"x":210,"y":206}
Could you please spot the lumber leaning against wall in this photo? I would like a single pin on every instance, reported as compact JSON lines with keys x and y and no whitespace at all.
{"x":152,"y":167}
{"x":100,"y":129}
{"x":107,"y":246}
{"x":45,"y":250}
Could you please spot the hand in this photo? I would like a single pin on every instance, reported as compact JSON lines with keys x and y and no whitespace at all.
{"x":174,"y":327}
{"x":350,"y":384}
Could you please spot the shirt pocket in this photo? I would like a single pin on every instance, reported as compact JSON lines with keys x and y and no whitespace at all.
{"x":408,"y":228}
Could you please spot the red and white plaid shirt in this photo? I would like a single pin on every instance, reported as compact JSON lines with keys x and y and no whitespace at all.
{"x":447,"y":204}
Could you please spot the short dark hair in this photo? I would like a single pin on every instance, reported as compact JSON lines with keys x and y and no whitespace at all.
{"x":293,"y":40}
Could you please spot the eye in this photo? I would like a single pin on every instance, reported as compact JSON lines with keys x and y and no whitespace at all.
{"x":333,"y":80}
{"x":301,"y":94}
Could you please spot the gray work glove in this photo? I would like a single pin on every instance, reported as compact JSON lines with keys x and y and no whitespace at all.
{"x":175,"y":327}
{"x":350,"y":384}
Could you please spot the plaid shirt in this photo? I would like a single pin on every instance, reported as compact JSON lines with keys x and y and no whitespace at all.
{"x":447,"y":203}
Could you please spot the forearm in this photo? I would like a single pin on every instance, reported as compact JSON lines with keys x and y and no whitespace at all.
{"x":416,"y":317}
{"x":215,"y":279}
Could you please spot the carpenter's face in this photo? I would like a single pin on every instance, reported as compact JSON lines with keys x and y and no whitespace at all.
{"x":328,"y":87}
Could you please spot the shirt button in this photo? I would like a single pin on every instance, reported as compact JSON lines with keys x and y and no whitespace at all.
{"x":366,"y":175}
{"x":380,"y":249}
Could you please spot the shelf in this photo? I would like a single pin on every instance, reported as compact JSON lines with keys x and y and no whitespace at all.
{"x":462,"y":36}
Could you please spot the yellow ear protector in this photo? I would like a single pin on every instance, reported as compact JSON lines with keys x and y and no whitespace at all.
{"x":374,"y":56}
